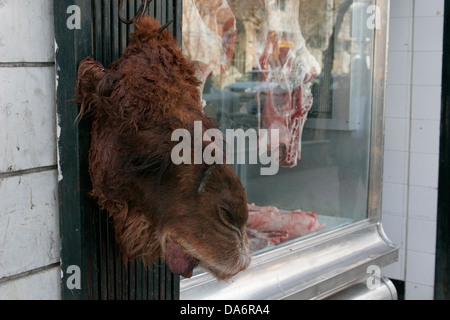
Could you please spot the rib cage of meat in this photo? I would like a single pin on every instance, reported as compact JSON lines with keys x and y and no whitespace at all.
{"x":289,"y":68}
{"x":209,"y":33}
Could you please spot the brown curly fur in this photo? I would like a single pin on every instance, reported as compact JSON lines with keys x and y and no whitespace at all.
{"x":135,"y":104}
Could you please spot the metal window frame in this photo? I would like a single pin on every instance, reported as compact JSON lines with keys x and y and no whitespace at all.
{"x":320,"y":266}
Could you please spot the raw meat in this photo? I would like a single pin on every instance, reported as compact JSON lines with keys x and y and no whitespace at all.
{"x":289,"y":68}
{"x":267,"y":225}
{"x":258,"y":240}
{"x":209,"y":33}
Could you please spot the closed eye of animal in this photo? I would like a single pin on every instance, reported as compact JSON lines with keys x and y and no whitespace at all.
{"x":228,"y":219}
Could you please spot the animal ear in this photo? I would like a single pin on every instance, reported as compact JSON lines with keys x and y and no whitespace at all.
{"x":93,"y":83}
{"x":205,"y":177}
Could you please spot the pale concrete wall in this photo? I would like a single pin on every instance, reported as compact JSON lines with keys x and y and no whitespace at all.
{"x":29,"y":227}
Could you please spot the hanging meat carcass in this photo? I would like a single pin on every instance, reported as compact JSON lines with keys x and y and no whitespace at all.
{"x":289,"y":69}
{"x":209,"y":34}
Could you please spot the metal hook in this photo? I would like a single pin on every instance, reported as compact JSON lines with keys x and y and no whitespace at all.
{"x":143,"y":8}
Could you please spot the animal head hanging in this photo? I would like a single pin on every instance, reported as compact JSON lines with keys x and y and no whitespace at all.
{"x":187,"y":214}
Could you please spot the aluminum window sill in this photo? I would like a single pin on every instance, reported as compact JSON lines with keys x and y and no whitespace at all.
{"x":308,"y":269}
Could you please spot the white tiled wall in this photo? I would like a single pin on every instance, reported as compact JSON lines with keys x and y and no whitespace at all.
{"x":411,"y":161}
{"x":29,"y":229}
{"x":42,"y":285}
{"x":27,"y":118}
{"x":26,"y":31}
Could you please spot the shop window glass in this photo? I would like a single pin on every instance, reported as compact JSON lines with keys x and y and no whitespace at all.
{"x":303,"y":67}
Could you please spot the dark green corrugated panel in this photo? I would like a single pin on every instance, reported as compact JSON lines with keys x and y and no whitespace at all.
{"x":442,"y":269}
{"x":87,"y":235}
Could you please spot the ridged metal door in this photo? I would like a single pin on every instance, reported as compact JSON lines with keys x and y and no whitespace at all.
{"x":87,"y":237}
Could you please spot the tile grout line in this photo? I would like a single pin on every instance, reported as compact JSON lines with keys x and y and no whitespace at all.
{"x":26,"y":64}
{"x":409,"y":138}
{"x":27,"y":171}
{"x":28,"y":273}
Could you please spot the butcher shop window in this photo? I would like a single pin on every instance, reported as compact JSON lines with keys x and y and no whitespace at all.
{"x":303,"y":67}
